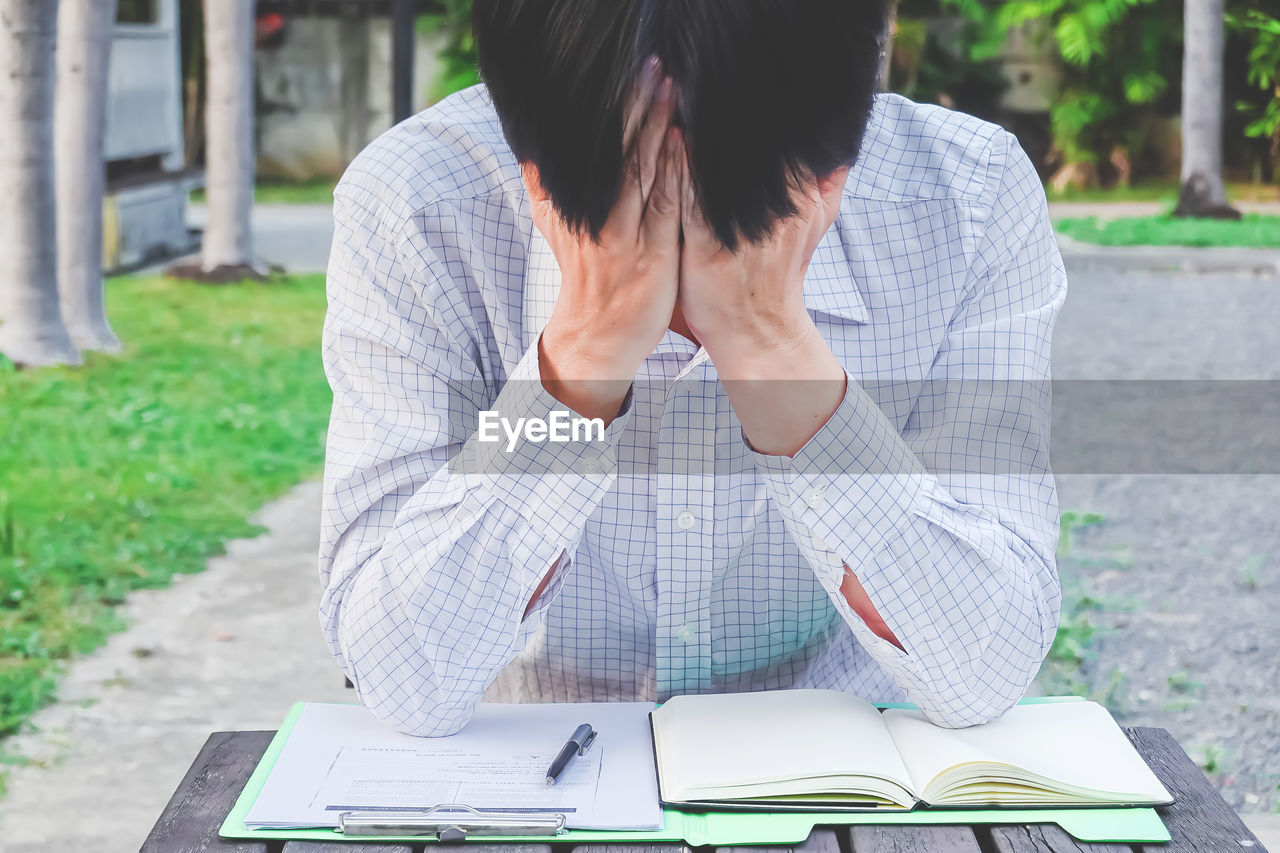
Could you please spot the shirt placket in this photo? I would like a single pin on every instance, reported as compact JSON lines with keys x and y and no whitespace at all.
{"x":685,"y":505}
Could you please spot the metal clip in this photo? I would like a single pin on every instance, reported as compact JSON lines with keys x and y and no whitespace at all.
{"x":586,"y":744}
{"x":440,"y":822}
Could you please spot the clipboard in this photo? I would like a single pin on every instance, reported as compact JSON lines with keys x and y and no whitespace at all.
{"x":459,"y":823}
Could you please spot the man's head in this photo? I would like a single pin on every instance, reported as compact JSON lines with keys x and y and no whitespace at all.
{"x":771,"y":93}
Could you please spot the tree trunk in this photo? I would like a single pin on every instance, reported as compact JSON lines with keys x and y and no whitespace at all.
{"x":31,"y":328}
{"x":402,"y":45}
{"x":85,"y":29}
{"x":353,"y":64}
{"x":1202,"y":193}
{"x":229,"y":166}
{"x":886,"y":58}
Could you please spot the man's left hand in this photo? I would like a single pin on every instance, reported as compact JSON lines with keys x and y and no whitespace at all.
{"x":746,"y":307}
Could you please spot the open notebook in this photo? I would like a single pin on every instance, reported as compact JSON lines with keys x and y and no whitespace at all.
{"x":808,"y":749}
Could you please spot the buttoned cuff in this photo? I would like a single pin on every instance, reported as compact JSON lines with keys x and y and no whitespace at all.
{"x":851,"y":486}
{"x":554,"y":482}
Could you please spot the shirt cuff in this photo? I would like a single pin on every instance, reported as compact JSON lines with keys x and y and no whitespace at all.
{"x":556,"y":476}
{"x":850,"y":487}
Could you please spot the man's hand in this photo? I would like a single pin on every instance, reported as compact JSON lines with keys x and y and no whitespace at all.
{"x":746,"y":308}
{"x":616,"y":295}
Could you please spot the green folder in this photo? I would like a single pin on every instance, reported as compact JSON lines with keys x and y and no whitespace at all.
{"x":718,"y":829}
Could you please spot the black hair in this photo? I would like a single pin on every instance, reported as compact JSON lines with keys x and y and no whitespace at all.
{"x":771,"y":92}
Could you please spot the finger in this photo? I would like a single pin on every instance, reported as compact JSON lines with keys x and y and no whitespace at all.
{"x":641,"y":96}
{"x":642,"y":156}
{"x":661,"y":225}
{"x":653,"y":134}
{"x":696,"y":229}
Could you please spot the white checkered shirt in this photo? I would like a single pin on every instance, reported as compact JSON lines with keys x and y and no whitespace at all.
{"x":690,"y":562}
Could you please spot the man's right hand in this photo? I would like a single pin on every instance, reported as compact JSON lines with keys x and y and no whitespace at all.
{"x":616,"y":295}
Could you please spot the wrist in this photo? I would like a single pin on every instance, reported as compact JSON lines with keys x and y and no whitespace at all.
{"x":590,"y":387}
{"x":790,"y":350}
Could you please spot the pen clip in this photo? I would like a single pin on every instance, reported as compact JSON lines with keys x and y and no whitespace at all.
{"x":586,"y":744}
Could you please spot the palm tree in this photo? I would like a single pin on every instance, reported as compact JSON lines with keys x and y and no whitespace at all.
{"x":1203,"y":192}
{"x":229,"y":158}
{"x":85,"y":29}
{"x":31,"y":328}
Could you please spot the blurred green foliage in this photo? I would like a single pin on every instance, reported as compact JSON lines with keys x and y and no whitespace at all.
{"x":932,"y":62}
{"x":116,"y":475}
{"x":1117,"y":58}
{"x":1263,"y":30}
{"x":458,"y":56}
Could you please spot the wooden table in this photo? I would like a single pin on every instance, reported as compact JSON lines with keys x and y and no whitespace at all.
{"x":1200,"y":820}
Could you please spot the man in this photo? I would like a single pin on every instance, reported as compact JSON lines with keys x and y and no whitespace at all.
{"x":813,"y":325}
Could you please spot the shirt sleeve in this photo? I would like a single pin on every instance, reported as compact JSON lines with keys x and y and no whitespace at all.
{"x":433,"y":541}
{"x":951,"y":524}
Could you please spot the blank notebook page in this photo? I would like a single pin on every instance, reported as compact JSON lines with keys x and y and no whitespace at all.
{"x":788,"y":734}
{"x":1077,"y":744}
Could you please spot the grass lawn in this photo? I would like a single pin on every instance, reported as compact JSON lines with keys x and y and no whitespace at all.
{"x":1254,"y":230}
{"x":123,"y":472}
{"x":1166,"y":191}
{"x":280,"y":191}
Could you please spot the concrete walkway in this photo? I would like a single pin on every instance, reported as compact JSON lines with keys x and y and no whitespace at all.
{"x":231,"y":648}
{"x":297,"y":237}
{"x":293,"y":236}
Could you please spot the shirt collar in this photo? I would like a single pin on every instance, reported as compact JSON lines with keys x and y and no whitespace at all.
{"x":829,"y":287}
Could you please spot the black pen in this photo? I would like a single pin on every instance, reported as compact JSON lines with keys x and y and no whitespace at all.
{"x":581,"y":739}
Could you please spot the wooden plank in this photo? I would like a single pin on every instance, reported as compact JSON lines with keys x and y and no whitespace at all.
{"x":344,"y":847}
{"x":1044,"y":838}
{"x":631,"y":848}
{"x":913,"y":839}
{"x":1199,"y":819}
{"x":819,"y":841}
{"x":392,"y":847}
{"x":189,"y":823}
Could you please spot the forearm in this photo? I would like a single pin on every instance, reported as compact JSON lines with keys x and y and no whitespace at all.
{"x":542,"y":587}
{"x":783,"y":396}
{"x":425,"y":626}
{"x":425,"y":622}
{"x":860,"y":602}
{"x":967,"y":607}
{"x":975,"y":610}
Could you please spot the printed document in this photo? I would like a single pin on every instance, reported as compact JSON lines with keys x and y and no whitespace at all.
{"x":340,"y":758}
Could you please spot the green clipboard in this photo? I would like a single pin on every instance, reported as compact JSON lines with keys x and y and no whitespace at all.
{"x":722,"y":829}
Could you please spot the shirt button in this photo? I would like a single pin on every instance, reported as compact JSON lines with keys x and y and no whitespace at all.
{"x":686,"y":519}
{"x":592,"y":466}
{"x":815,"y":497}
{"x":685,"y":634}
